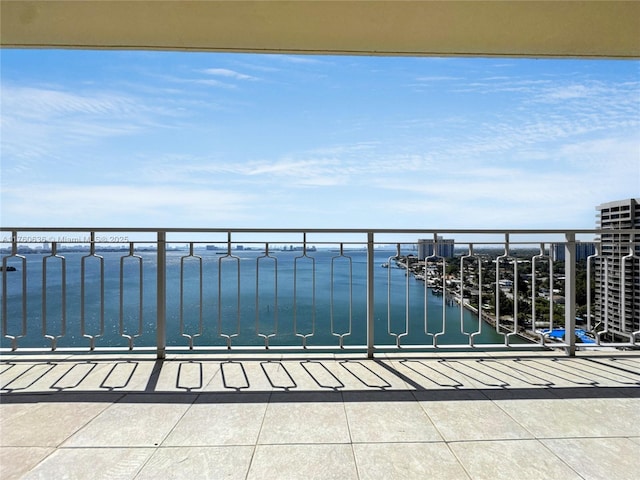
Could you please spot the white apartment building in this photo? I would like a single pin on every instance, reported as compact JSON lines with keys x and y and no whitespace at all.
{"x":617,"y":295}
{"x":443,"y":247}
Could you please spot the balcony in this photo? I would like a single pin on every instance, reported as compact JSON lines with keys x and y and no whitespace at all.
{"x":411,"y":411}
{"x":310,"y":354}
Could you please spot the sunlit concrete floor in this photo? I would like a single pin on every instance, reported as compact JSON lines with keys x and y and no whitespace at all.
{"x":455,"y":416}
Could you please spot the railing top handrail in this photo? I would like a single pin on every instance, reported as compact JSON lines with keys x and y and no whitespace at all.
{"x":431,"y":231}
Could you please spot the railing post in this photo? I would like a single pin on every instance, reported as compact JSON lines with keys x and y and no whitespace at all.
{"x":570,"y":294}
{"x":370,"y":295}
{"x":161,"y":297}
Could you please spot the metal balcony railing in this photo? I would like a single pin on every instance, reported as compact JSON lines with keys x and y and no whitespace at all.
{"x":277,"y":290}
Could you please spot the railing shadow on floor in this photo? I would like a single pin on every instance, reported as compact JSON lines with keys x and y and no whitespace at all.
{"x":251,"y":380}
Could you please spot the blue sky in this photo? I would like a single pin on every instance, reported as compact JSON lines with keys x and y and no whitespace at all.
{"x":174,"y":139}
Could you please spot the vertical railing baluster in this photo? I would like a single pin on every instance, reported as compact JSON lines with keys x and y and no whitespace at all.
{"x":514,"y":291}
{"x":63,"y":296}
{"x":228,"y":257}
{"x":191,"y":336}
{"x":266,"y":336}
{"x":534,"y":294}
{"x":570,"y":294}
{"x":442,"y":262}
{"x":5,"y":329}
{"x":161,"y":296}
{"x":635,"y":255}
{"x":605,"y":293}
{"x":398,"y":336}
{"x":370,"y":296}
{"x":92,"y":254}
{"x":623,"y":294}
{"x":138,"y":259}
{"x":304,"y":257}
{"x":590,"y":258}
{"x":499,"y":258}
{"x":332,"y":315}
{"x":470,"y":335}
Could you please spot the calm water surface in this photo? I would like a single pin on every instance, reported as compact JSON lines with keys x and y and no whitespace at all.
{"x":285,"y":296}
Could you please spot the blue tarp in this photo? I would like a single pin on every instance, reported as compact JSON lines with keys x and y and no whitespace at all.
{"x":559,"y":333}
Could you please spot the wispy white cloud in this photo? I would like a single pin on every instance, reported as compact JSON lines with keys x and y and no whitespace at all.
{"x":125,"y":205}
{"x":320,"y":147}
{"x":41,"y":124}
{"x":46,"y":103}
{"x":224,"y":72}
{"x":570,"y":92}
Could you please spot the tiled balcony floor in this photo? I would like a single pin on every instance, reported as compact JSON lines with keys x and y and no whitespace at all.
{"x":494,"y":416}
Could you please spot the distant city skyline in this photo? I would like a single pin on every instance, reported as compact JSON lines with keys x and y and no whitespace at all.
{"x":174,"y":139}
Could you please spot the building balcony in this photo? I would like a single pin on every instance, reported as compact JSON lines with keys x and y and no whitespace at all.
{"x":296,"y":354}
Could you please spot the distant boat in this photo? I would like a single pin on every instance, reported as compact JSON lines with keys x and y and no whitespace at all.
{"x":8,"y":269}
{"x":385,"y":265}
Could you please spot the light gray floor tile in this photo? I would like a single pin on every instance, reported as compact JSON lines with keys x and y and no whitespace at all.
{"x":635,"y":439}
{"x":30,"y":376}
{"x":624,"y":365}
{"x":119,"y":375}
{"x":303,"y":462}
{"x":81,"y":375}
{"x":389,"y":421}
{"x":379,"y":374}
{"x":599,"y":458}
{"x":356,"y":374}
{"x":615,"y":416}
{"x":221,"y":420}
{"x":473,"y":420}
{"x":16,"y":461}
{"x":91,"y":464}
{"x":432,"y":373}
{"x":305,"y":422}
{"x":239,"y":376}
{"x":546,"y":418}
{"x":561,"y":375}
{"x":511,"y":459}
{"x":74,"y":376}
{"x":280,"y":375}
{"x":312,"y":375}
{"x":186,"y":375}
{"x":197,"y":463}
{"x":474,"y":373}
{"x":605,"y":375}
{"x":407,"y":461}
{"x":133,"y":422}
{"x":335,"y":374}
{"x":44,"y":424}
{"x":513,"y":374}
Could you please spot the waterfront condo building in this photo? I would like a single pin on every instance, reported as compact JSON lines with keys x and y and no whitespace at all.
{"x":617,"y":270}
{"x":442,"y":246}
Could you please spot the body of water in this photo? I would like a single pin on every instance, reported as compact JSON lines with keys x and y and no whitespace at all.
{"x":288,"y":297}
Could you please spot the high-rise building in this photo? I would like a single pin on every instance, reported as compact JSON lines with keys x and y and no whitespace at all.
{"x":617,"y":296}
{"x":443,"y":247}
{"x":583,"y":251}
